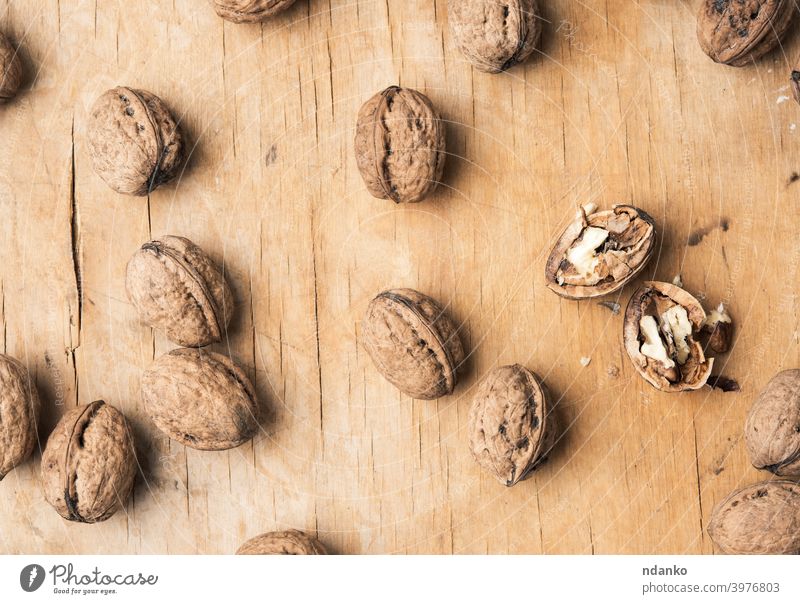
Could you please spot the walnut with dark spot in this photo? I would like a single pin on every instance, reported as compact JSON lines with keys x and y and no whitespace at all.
{"x":19,"y":410}
{"x":290,"y":542}
{"x":772,"y":429}
{"x":250,"y":11}
{"x":10,"y":70}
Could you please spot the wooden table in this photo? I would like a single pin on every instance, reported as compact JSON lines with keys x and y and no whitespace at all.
{"x":620,"y":105}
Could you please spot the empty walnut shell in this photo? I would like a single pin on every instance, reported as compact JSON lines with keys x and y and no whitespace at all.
{"x":413,"y":343}
{"x":400,"y":145}
{"x":736,"y":32}
{"x":661,"y":325}
{"x":510,"y":428}
{"x":601,"y":252}
{"x":134,"y":142}
{"x":19,"y":410}
{"x":89,"y":463}
{"x":176,"y":287}
{"x":760,"y":519}
{"x":772,"y":429}
{"x":495,"y":36}
{"x":282,"y":542}
{"x":10,"y":70}
{"x":201,"y":399}
{"x":250,"y":11}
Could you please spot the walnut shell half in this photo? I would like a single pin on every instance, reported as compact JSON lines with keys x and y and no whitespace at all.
{"x":662,"y":322}
{"x":282,"y":542}
{"x":89,"y":464}
{"x":413,"y":343}
{"x":601,"y":252}
{"x":400,"y":145}
{"x":10,"y":70}
{"x":19,"y":410}
{"x":510,"y":428}
{"x":772,"y":429}
{"x":176,"y":287}
{"x":763,"y":518}
{"x":134,"y":142}
{"x":201,"y":399}
{"x":250,"y":11}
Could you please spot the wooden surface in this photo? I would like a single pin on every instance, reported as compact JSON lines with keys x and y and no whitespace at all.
{"x":619,"y":105}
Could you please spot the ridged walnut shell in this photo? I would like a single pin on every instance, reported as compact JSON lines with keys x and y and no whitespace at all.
{"x":509,"y":426}
{"x":176,"y":287}
{"x":400,"y":145}
{"x":89,"y":464}
{"x":626,"y":250}
{"x":760,"y":519}
{"x":10,"y":70}
{"x":495,"y":36}
{"x":250,"y":11}
{"x":134,"y":143}
{"x":736,"y":32}
{"x":413,"y":343}
{"x":19,"y":410}
{"x":282,"y":542}
{"x":772,"y":429}
{"x":200,"y":399}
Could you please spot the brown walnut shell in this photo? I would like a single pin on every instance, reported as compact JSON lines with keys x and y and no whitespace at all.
{"x":250,"y":11}
{"x":736,"y":32}
{"x":510,"y":428}
{"x":618,"y":259}
{"x":134,"y":143}
{"x":760,"y":519}
{"x":200,"y":399}
{"x":652,"y":300}
{"x":795,"y":79}
{"x":10,"y":70}
{"x":495,"y":36}
{"x":282,"y":542}
{"x":772,"y":429}
{"x":176,"y":287}
{"x":413,"y":343}
{"x":89,"y":464}
{"x":19,"y":410}
{"x":400,"y":145}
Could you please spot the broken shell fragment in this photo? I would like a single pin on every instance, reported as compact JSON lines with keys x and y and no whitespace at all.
{"x":720,"y":325}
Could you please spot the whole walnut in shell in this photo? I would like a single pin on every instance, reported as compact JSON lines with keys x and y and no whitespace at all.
{"x":413,"y":343}
{"x":10,"y":70}
{"x":176,"y":287}
{"x":89,"y":464}
{"x":760,"y":519}
{"x":200,"y":399}
{"x":282,"y":542}
{"x":495,"y":36}
{"x":400,"y":145}
{"x":134,"y":142}
{"x":772,"y":429}
{"x":19,"y":410}
{"x":510,"y":425}
{"x":250,"y":11}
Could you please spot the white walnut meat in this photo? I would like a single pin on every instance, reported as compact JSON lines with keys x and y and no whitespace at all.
{"x":134,"y":142}
{"x":413,"y":343}
{"x":19,"y":411}
{"x":510,"y":426}
{"x":200,"y":399}
{"x":763,"y":518}
{"x":10,"y":70}
{"x":492,"y":35}
{"x":662,"y":323}
{"x":250,"y":11}
{"x":176,"y":287}
{"x":772,"y":429}
{"x":400,"y":145}
{"x":600,"y":252}
{"x":290,"y":542}
{"x":89,"y":464}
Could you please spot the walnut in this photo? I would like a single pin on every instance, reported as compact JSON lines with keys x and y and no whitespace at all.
{"x":413,"y":343}
{"x":736,"y":32}
{"x":176,"y":287}
{"x":772,"y":430}
{"x":134,"y":142}
{"x":795,"y":79}
{"x":250,"y":11}
{"x":10,"y":70}
{"x":201,"y":399}
{"x":19,"y":410}
{"x":282,"y":542}
{"x":720,"y":327}
{"x":510,"y":425}
{"x":661,"y":325}
{"x":495,"y":36}
{"x":760,"y":519}
{"x":600,"y":252}
{"x":89,"y":463}
{"x":400,"y":145}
